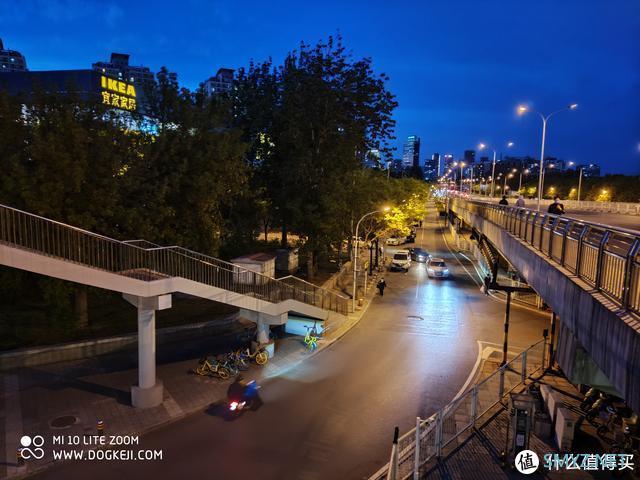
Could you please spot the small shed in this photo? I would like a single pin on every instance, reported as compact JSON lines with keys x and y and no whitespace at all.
{"x":247,"y":267}
{"x":287,"y":260}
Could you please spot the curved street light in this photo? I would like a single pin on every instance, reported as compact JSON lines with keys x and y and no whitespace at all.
{"x":522,"y":109}
{"x":355,"y":256}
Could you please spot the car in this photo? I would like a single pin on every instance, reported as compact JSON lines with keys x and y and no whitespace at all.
{"x":401,"y":261}
{"x":419,"y":255}
{"x":411,"y":238}
{"x":436,"y":267}
{"x":396,"y":240}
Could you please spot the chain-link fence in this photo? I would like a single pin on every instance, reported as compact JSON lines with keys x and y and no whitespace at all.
{"x":430,"y":436}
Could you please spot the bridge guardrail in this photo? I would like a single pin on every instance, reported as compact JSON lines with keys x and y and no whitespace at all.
{"x":431,"y":436}
{"x":147,"y":261}
{"x":607,"y":258}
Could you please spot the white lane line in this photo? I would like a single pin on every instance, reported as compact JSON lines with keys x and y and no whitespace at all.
{"x":457,"y":260}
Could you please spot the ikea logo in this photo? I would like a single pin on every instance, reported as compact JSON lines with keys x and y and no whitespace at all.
{"x":117,"y":86}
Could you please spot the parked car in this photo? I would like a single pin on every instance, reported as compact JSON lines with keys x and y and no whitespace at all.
{"x":396,"y":240}
{"x":411,"y":237}
{"x":419,"y":255}
{"x":401,"y":261}
{"x":436,"y":267}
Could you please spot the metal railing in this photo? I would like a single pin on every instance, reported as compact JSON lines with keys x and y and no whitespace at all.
{"x":146,"y":261}
{"x":625,"y":208}
{"x":429,"y":438}
{"x":605,"y":257}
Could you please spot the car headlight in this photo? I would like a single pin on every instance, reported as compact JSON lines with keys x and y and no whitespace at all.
{"x":446,"y":270}
{"x":430,"y":270}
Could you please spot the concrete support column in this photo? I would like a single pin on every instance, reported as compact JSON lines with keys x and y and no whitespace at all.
{"x":148,"y":392}
{"x":263,"y":331}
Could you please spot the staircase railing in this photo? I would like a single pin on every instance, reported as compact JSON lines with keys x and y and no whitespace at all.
{"x":147,"y":261}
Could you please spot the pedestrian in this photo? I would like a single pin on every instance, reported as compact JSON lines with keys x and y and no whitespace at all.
{"x":487,"y":283}
{"x":520,"y":202}
{"x":556,"y":208}
{"x":420,"y":223}
{"x":380,"y":286}
{"x":503,"y":201}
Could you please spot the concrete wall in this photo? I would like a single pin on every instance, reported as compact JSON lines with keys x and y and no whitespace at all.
{"x":590,"y":320}
{"x":28,"y":357}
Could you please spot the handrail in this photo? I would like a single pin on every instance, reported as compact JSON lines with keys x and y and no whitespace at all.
{"x":604,"y":256}
{"x":130,"y":258}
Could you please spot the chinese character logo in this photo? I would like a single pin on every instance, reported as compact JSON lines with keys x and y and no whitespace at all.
{"x":527,"y":461}
{"x":37,"y":441}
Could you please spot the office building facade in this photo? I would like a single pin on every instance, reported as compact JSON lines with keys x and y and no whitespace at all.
{"x":411,"y":152}
{"x":222,"y":82}
{"x":118,"y":68}
{"x":11,"y":60}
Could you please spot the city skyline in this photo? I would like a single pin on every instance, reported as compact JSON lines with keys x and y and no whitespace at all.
{"x":455,"y":90}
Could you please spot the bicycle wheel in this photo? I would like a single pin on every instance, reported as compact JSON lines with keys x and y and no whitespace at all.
{"x":223,"y":373}
{"x":262,"y":357}
{"x":201,"y":370}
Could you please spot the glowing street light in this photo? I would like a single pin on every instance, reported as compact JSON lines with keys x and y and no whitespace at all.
{"x":522,"y":109}
{"x":482,"y":146}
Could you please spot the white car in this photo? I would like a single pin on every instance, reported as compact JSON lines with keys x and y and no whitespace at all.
{"x":437,"y":268}
{"x":401,"y":260}
{"x":396,"y":240}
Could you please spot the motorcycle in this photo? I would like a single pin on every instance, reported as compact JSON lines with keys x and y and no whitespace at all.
{"x":244,"y":397}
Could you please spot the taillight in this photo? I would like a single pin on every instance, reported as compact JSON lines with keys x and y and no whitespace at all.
{"x":233,"y":405}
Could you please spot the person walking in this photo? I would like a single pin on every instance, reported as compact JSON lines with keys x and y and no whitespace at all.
{"x":504,"y":201}
{"x":556,"y":208}
{"x":520,"y":202}
{"x":380,"y":286}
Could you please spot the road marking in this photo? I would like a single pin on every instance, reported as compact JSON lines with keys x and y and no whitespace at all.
{"x":457,"y":260}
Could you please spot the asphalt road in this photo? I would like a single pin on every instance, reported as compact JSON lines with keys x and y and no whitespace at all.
{"x":332,"y":416}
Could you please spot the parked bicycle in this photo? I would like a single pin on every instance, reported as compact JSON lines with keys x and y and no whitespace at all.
{"x":311,"y":338}
{"x":212,"y":368}
{"x":260,"y":355}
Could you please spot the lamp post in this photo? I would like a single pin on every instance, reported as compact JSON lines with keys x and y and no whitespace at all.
{"x":462,"y":164}
{"x":504,"y":189}
{"x":521,"y":172}
{"x":355,"y":256}
{"x":522,"y":109}
{"x":482,"y":146}
{"x":580,"y":185}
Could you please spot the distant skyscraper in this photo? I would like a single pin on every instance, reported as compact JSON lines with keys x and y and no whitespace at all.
{"x":222,"y":82}
{"x":118,"y":67}
{"x":432,"y":167}
{"x":11,"y":60}
{"x":411,"y":152}
{"x":448,"y":162}
{"x":469,"y":156}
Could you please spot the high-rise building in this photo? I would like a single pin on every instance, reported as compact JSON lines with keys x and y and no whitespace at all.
{"x":590,"y":170}
{"x":469,"y":156}
{"x":222,"y":82}
{"x":411,"y":152}
{"x":11,"y":60}
{"x":432,"y":167}
{"x":118,"y":67}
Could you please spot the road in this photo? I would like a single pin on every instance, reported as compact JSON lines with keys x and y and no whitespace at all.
{"x":332,"y":416}
{"x":631,"y":222}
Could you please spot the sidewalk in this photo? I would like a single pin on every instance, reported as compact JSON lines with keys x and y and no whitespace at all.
{"x":70,"y":398}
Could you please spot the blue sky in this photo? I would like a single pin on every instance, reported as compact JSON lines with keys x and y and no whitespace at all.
{"x":458,"y":67}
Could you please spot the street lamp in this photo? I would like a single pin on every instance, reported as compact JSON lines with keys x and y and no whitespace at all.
{"x":355,"y":256}
{"x":522,"y":109}
{"x":504,"y":190}
{"x":521,"y":172}
{"x":462,"y":164}
{"x":482,"y":146}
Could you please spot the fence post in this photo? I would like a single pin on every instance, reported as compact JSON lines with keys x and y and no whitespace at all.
{"x":524,"y":366}
{"x":416,"y":452}
{"x":393,"y":461}
{"x":474,"y":405}
{"x":439,"y":434}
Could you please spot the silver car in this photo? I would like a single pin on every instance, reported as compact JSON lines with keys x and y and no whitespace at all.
{"x":436,"y":267}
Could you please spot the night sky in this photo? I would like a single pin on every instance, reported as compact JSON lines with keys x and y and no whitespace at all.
{"x":458,"y":67}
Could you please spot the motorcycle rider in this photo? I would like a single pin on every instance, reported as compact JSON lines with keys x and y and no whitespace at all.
{"x":243,"y":391}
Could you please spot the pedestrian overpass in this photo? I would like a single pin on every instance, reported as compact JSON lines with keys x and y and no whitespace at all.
{"x":589,"y":274}
{"x":147,"y":274}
